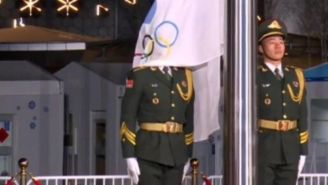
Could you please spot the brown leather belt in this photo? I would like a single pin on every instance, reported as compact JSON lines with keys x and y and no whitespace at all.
{"x":280,"y":125}
{"x":167,"y":127}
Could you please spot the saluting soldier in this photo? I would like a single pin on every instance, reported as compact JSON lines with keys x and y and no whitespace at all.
{"x":282,"y":110}
{"x":160,"y":101}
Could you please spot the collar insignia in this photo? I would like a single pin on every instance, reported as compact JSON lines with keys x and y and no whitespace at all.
{"x":154,"y":85}
{"x":266,"y":85}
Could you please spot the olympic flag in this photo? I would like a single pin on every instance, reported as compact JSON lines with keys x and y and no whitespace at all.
{"x":187,"y":33}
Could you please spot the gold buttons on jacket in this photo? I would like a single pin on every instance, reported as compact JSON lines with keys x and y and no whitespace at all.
{"x":172,"y":118}
{"x":284,"y":104}
{"x":285,"y":116}
{"x":283,"y":91}
{"x":155,"y":101}
{"x":267,"y":101}
{"x":172,"y":105}
{"x":172,"y":92}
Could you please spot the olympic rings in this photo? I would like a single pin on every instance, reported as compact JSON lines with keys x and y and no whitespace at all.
{"x":148,"y":41}
{"x":148,"y":46}
{"x":160,"y":40}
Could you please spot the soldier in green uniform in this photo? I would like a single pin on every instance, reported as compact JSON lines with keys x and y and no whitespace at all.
{"x":160,"y":102}
{"x":282,"y":110}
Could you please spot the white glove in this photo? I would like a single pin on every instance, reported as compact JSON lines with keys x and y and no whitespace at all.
{"x":301,"y":164}
{"x":133,"y":169}
{"x":185,"y":169}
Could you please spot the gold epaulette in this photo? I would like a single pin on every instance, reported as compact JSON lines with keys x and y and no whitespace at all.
{"x":299,"y":96}
{"x":187,"y":95}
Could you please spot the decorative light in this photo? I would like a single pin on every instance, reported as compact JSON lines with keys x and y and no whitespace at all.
{"x":19,"y":23}
{"x":131,"y":2}
{"x":14,"y":23}
{"x":30,"y":5}
{"x":67,"y":5}
{"x":259,"y":18}
{"x":100,"y":9}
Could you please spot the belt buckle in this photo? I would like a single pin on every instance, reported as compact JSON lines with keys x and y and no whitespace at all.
{"x":283,"y":125}
{"x":170,"y":127}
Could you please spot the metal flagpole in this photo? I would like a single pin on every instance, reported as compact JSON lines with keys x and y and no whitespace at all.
{"x":239,"y":85}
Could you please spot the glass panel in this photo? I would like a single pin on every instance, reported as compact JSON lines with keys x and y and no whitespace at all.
{"x":5,"y":147}
{"x":5,"y":165}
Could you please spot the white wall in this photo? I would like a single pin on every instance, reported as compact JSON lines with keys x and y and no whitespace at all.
{"x":37,"y":110}
{"x":86,"y":92}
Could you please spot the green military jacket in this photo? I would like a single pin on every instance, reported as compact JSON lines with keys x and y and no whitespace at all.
{"x":282,"y":100}
{"x":152,"y":98}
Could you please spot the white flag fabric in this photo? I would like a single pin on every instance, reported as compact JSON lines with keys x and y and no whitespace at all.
{"x":207,"y":94}
{"x":179,"y":33}
{"x":187,"y":33}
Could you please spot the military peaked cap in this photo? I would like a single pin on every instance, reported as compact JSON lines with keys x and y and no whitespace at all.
{"x":271,"y":27}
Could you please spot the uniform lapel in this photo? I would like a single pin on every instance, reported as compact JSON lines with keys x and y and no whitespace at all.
{"x":175,"y":75}
{"x":161,"y":77}
{"x":267,"y":73}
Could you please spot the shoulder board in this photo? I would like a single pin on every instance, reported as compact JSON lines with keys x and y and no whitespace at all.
{"x":139,"y":68}
{"x":294,"y":67}
{"x":291,"y":66}
{"x":262,"y":68}
{"x":153,"y":68}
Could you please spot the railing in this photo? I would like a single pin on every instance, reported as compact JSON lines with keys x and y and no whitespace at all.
{"x":97,"y":180}
{"x":313,"y":179}
{"x":305,"y":179}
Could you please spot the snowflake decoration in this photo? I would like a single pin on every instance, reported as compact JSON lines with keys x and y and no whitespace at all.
{"x":68,"y":5}
{"x":30,"y":5}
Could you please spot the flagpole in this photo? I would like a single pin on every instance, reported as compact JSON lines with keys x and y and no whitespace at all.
{"x":239,"y":85}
